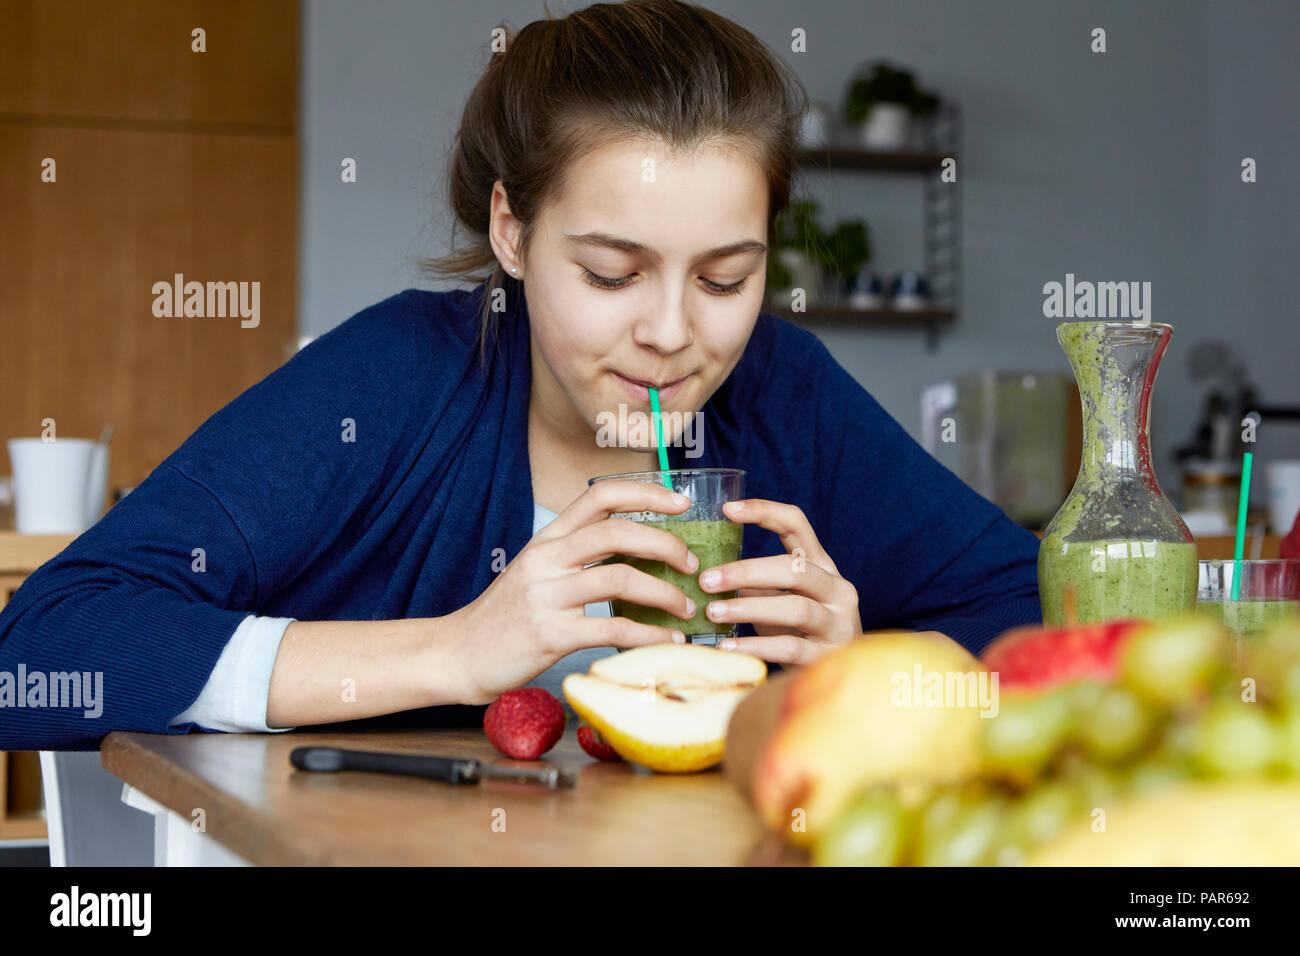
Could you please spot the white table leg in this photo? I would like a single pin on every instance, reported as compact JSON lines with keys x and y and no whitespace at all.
{"x":175,"y":841}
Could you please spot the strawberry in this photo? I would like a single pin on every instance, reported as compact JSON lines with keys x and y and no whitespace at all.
{"x":524,"y":723}
{"x":595,"y":745}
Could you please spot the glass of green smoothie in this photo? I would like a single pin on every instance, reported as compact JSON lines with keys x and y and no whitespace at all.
{"x":711,"y":536}
{"x":1269,"y":591}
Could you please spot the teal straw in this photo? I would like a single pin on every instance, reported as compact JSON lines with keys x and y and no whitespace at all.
{"x":659,"y":436}
{"x":1241,"y":528}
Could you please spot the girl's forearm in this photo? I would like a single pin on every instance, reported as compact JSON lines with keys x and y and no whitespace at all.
{"x":329,"y":671}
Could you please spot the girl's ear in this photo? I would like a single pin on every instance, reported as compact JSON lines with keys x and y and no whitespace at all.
{"x":504,"y":230}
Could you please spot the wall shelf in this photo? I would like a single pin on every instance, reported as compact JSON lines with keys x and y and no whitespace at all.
{"x":940,"y":223}
{"x":930,"y":320}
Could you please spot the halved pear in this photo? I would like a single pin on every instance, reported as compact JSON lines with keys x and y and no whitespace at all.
{"x":665,"y":706}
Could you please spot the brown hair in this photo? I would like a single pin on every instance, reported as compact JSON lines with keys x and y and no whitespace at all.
{"x":642,"y":69}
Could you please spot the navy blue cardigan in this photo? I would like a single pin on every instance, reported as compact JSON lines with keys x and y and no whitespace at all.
{"x":294,"y":521}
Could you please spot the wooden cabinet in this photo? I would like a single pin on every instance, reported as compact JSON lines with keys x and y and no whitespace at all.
{"x":87,"y":60}
{"x":166,"y":162}
{"x":127,"y":158}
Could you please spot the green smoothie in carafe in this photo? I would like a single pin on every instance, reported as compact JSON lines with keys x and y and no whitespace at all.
{"x":714,"y":543}
{"x":1111,"y":579}
{"x":1117,"y":544}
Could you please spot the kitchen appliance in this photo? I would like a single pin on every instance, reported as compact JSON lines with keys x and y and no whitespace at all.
{"x":1216,"y":447}
{"x":1013,"y":436}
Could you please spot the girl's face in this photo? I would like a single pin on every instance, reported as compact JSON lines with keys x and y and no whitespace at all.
{"x":646,"y":268}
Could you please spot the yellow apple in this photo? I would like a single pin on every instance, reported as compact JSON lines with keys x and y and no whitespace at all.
{"x":883,"y":709}
{"x":665,"y":706}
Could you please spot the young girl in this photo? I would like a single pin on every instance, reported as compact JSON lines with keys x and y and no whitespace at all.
{"x":399,"y":517}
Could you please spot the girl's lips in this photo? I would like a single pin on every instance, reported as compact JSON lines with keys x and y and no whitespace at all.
{"x":642,"y":394}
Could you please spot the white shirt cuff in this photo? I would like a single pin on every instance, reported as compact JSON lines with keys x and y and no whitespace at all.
{"x":234,"y":698}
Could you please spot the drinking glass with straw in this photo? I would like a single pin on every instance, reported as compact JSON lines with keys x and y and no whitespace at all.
{"x":709,"y":534}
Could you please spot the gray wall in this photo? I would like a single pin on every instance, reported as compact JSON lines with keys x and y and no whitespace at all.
{"x":1251,"y":242}
{"x":1118,"y":166}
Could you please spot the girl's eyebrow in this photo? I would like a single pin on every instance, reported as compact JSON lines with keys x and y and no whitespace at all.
{"x":605,"y":240}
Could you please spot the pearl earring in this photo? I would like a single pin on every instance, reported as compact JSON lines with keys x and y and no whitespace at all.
{"x":514,"y":269}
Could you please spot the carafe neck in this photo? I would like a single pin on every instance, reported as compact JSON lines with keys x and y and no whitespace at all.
{"x":1115,"y":364}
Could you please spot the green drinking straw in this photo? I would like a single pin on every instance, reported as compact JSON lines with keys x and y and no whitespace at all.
{"x":1241,"y":528}
{"x":659,"y":436}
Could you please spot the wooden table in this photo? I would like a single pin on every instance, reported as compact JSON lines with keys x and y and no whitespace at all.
{"x":257,"y":805}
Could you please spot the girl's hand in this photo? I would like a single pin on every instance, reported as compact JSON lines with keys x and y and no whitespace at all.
{"x":797,"y":602}
{"x":534,"y":612}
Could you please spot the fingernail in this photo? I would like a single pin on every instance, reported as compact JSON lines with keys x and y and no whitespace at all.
{"x":680,"y":499}
{"x":679,"y":637}
{"x":736,"y":505}
{"x":690,"y":607}
{"x":692,"y":562}
{"x":711,"y":578}
{"x":718,"y":608}
{"x":727,"y":645}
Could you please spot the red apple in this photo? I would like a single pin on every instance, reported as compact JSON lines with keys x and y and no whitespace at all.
{"x":1040,"y":658}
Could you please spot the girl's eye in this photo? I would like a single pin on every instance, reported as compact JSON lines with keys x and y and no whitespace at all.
{"x":734,"y":289}
{"x":601,"y":282}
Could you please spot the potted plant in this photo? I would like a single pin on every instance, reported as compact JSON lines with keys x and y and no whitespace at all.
{"x":882,"y":100}
{"x":850,"y":250}
{"x":809,"y":258}
{"x":795,"y":264}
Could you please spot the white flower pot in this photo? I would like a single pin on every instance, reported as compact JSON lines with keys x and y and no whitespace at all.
{"x":814,"y":130}
{"x":804,"y":274}
{"x":887,"y":126}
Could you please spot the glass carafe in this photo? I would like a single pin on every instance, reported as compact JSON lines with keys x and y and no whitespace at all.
{"x":1117,"y":547}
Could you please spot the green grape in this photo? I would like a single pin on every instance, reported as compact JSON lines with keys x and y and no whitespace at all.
{"x":1288,"y":685}
{"x":1041,"y":814}
{"x":1288,"y":732}
{"x":962,"y":830}
{"x":1083,"y":695}
{"x":1026,"y":732}
{"x":1272,"y":661}
{"x":1115,"y":726}
{"x":1172,"y":664}
{"x":1235,"y":738}
{"x":1093,"y":786}
{"x":1178,"y":742}
{"x":1155,"y":774}
{"x":942,"y":807}
{"x":870,"y":831}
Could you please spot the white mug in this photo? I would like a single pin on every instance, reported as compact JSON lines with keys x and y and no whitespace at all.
{"x":59,"y":486}
{"x":1283,"y":495}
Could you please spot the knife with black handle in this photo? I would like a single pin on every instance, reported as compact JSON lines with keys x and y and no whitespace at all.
{"x":453,"y":770}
